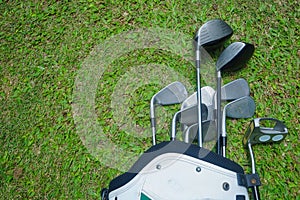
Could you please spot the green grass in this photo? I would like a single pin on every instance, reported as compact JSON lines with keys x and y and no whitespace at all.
{"x":44,"y":44}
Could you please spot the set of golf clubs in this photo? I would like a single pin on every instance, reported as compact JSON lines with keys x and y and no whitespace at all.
{"x":201,"y":116}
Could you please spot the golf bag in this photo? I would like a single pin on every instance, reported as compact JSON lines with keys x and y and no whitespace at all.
{"x":178,"y":170}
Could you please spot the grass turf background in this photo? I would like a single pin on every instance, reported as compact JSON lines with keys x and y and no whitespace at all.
{"x":43,"y":45}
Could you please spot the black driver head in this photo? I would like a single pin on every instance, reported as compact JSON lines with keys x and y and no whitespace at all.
{"x":213,"y":34}
{"x":235,"y":56}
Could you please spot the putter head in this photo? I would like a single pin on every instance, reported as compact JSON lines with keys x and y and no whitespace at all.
{"x":265,"y":130}
{"x":235,"y":56}
{"x":240,"y":108}
{"x":235,"y":90}
{"x":173,"y":93}
{"x":213,"y":34}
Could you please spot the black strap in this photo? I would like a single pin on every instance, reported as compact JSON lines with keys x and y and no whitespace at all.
{"x":249,"y":180}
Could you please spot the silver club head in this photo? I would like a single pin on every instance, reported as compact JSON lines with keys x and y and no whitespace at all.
{"x":207,"y":97}
{"x":240,"y":108}
{"x":188,"y":116}
{"x":235,"y":90}
{"x":173,"y":93}
{"x":207,"y":94}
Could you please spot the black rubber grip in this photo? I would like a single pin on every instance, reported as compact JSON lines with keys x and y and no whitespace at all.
{"x":224,"y":141}
{"x":153,"y":122}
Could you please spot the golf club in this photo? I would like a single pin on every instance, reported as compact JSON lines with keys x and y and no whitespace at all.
{"x":187,"y":116}
{"x":173,"y":93}
{"x":241,"y":108}
{"x":232,"y":58}
{"x":213,"y":34}
{"x":258,"y":133}
{"x":198,"y":55}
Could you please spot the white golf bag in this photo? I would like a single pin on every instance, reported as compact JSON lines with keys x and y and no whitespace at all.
{"x":177,"y":170}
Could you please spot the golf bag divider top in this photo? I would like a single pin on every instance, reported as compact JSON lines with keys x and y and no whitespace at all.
{"x":177,"y":170}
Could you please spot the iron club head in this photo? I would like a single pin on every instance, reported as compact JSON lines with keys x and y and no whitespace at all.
{"x":235,"y":90}
{"x":241,"y":108}
{"x":173,"y":93}
{"x":188,"y":116}
{"x":207,"y":94}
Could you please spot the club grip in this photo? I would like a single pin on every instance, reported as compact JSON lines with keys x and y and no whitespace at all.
{"x":153,"y":122}
{"x":224,"y":144}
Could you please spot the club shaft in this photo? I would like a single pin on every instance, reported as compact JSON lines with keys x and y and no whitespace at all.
{"x":219,"y":113}
{"x":252,"y":158}
{"x":153,"y":135}
{"x":174,"y":121}
{"x":153,"y":121}
{"x":255,"y":193}
{"x":223,"y":140}
{"x":224,"y":147}
{"x":255,"y":190}
{"x":199,"y":113}
{"x":153,"y":128}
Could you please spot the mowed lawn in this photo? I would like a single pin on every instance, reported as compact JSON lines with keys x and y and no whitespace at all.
{"x":46,"y":137}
